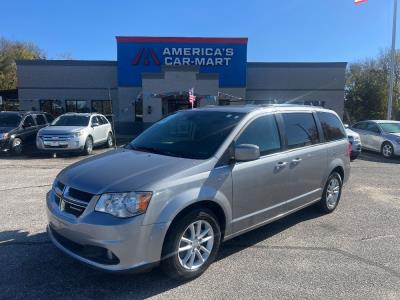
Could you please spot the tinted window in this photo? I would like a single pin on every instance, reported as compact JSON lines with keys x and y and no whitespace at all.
{"x":331,"y":126}
{"x":9,"y":120}
{"x":300,"y":129}
{"x":71,"y":120}
{"x":188,"y":134}
{"x":372,"y":127}
{"x":390,"y":127}
{"x":96,"y":120}
{"x":29,"y":121}
{"x":41,"y":120}
{"x":360,"y":125}
{"x":104,"y":119}
{"x":262,"y":132}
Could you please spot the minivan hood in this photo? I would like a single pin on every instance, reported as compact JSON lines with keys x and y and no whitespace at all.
{"x":60,"y":129}
{"x":123,"y":170}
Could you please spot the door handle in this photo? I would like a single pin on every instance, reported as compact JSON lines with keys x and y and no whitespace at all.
{"x":296,"y":160}
{"x":281,"y":164}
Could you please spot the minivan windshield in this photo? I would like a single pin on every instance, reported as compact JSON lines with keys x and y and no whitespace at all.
{"x":188,"y":134}
{"x":390,"y":127}
{"x":72,"y":120}
{"x":9,"y":120}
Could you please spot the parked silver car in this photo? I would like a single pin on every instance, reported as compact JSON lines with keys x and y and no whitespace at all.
{"x":193,"y":180}
{"x":379,"y":135}
{"x":355,"y":141}
{"x":78,"y":132}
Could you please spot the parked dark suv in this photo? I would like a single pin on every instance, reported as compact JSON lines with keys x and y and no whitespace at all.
{"x":18,"y":129}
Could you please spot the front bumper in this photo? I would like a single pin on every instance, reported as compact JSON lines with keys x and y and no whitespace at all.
{"x":355,"y":146}
{"x":5,"y":145}
{"x":103,"y":241}
{"x":71,"y":145}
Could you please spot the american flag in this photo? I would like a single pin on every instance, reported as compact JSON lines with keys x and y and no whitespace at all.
{"x":357,"y":2}
{"x":192,"y":97}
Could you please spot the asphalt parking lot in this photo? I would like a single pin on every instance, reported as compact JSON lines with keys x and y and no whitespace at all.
{"x":353,"y":253}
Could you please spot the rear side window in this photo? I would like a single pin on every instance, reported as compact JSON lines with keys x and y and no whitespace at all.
{"x":331,"y":126}
{"x":29,"y":121}
{"x":262,"y":132}
{"x":300,"y":129}
{"x":41,"y":120}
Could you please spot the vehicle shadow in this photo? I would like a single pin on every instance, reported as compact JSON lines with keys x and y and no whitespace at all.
{"x":377,"y":157}
{"x":36,"y":269}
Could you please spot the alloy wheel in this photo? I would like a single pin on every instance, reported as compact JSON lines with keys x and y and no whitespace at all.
{"x":387,"y":150}
{"x":332,"y":193}
{"x":195,"y":245}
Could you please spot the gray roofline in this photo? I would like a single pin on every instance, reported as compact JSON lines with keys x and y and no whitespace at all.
{"x":43,"y":62}
{"x":297,"y":64}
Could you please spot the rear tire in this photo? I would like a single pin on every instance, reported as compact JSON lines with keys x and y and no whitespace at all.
{"x":191,"y":245}
{"x":88,"y":149}
{"x":387,"y":150}
{"x":17,"y":146}
{"x":332,"y":192}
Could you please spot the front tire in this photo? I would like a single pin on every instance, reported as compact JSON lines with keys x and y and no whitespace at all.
{"x":387,"y":150}
{"x":109,"y":142}
{"x":332,"y":192}
{"x":191,"y":245}
{"x":17,"y":146}
{"x":88,"y":149}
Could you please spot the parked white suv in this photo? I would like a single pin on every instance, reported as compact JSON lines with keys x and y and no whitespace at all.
{"x":78,"y":132}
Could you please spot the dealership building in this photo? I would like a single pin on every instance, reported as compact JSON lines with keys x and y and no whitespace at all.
{"x":153,"y":77}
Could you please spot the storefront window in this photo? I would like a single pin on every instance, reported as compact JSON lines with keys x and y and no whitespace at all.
{"x":51,"y":106}
{"x":79,"y":106}
{"x":102,"y":107}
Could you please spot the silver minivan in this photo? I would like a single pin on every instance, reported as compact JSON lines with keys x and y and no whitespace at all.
{"x":193,"y":180}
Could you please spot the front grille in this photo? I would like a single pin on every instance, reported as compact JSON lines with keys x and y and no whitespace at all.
{"x":56,"y":147}
{"x":60,"y":185}
{"x":72,"y":208}
{"x":80,"y":195}
{"x":70,"y":200}
{"x":58,"y":137}
{"x":93,"y":253}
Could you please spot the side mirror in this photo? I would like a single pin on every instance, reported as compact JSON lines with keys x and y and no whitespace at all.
{"x":247,"y":152}
{"x":27,"y":125}
{"x":95,"y":124}
{"x":346,"y":126}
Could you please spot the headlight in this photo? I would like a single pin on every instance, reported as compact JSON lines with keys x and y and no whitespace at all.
{"x":4,"y":136}
{"x":124,"y":205}
{"x":78,"y":134}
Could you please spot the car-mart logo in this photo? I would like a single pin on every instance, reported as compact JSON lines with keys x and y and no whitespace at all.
{"x":146,"y":54}
{"x":196,"y":56}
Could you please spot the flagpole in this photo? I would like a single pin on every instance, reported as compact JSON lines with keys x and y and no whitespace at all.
{"x":392,"y":63}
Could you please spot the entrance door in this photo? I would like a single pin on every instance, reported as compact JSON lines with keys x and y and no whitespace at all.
{"x":172,"y":104}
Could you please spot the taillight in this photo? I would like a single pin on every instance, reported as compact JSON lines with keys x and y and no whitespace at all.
{"x":349,"y":149}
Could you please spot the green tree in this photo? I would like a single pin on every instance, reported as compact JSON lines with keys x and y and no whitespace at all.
{"x":10,"y":51}
{"x":367,"y":88}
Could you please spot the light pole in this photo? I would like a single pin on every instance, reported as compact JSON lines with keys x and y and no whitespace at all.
{"x":392,"y":63}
